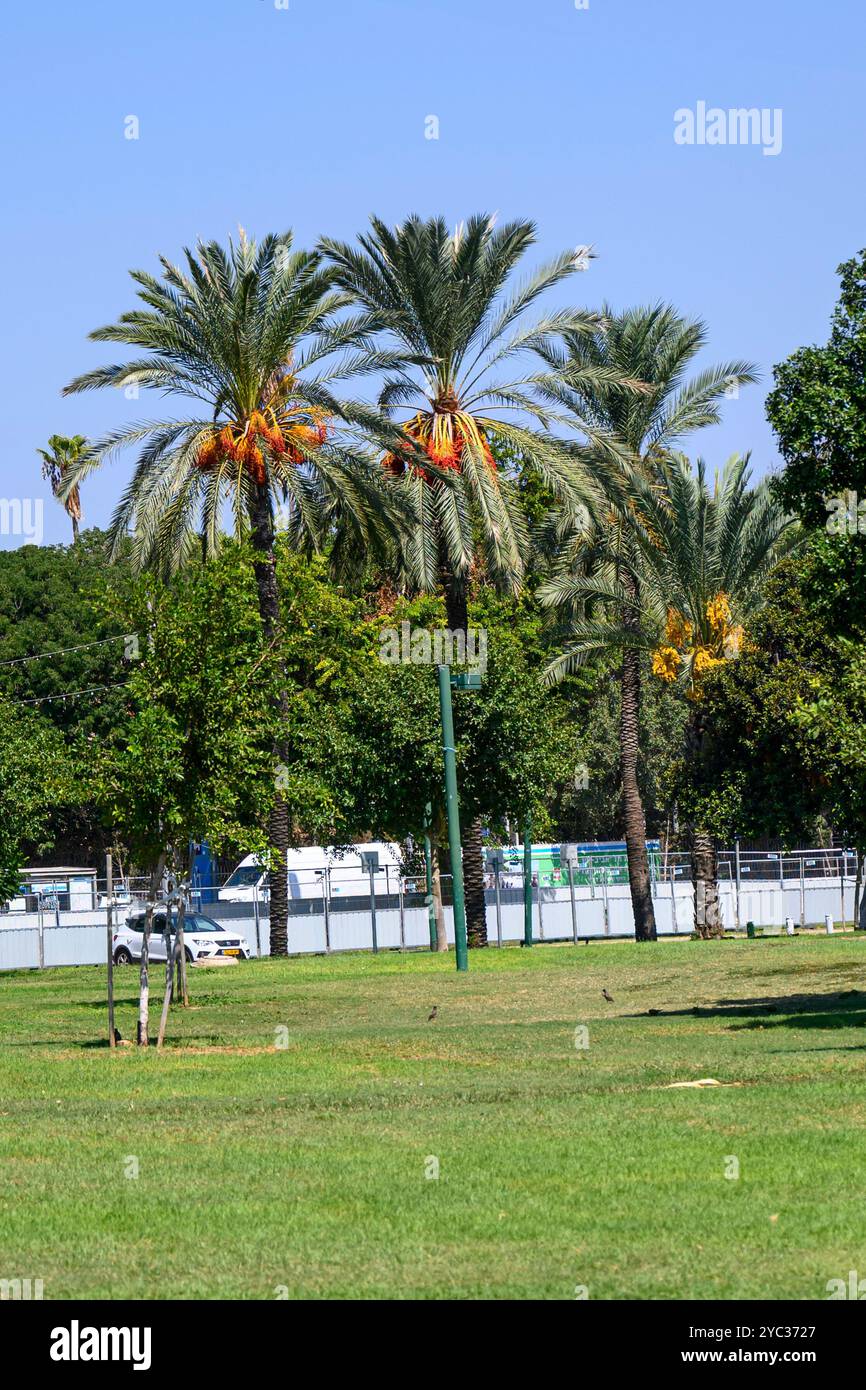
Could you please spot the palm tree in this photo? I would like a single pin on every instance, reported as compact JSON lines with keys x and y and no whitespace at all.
{"x":61,"y":454}
{"x":440,"y":297}
{"x":247,"y":338}
{"x":706,"y":573}
{"x":702,"y":557}
{"x":654,"y":346}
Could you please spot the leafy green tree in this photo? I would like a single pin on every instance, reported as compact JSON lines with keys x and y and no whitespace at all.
{"x":63,"y":656}
{"x":251,"y":337}
{"x":35,"y":776}
{"x":588,"y":805}
{"x":809,"y":669}
{"x":515,"y":742}
{"x":818,"y":410}
{"x":646,"y":353}
{"x":193,"y":759}
{"x":785,"y":755}
{"x":61,"y":630}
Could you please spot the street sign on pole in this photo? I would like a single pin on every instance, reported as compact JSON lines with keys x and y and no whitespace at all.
{"x":452,"y":806}
{"x":496,"y":862}
{"x":467,"y":680}
{"x":569,"y":858}
{"x":527,"y":880}
{"x":370,"y":861}
{"x":257,"y":916}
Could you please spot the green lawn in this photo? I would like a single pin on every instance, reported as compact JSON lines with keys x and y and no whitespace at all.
{"x":558,"y":1166}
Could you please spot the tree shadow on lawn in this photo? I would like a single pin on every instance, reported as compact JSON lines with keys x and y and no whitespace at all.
{"x":840,"y":1009}
{"x":120,"y":1002}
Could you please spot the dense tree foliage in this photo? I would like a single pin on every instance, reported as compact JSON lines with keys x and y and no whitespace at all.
{"x":37,"y":779}
{"x":787,"y":757}
{"x":180,"y":744}
{"x":818,"y":410}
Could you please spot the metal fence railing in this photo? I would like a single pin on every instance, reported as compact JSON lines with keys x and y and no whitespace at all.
{"x":590,"y":899}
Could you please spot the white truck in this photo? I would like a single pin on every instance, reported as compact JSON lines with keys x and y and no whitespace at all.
{"x":346,"y":872}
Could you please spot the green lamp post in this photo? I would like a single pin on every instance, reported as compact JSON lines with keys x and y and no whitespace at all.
{"x":527,"y":880}
{"x":452,"y":806}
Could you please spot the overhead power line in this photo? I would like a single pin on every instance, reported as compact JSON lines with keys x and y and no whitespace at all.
{"x":126,"y":637}
{"x":70,"y":694}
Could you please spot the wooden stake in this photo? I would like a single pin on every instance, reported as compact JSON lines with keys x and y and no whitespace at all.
{"x":167,"y":1000}
{"x":166,"y":936}
{"x":143,"y":980}
{"x":178,"y":960}
{"x":144,"y":983}
{"x":109,"y":876}
{"x":181,"y":955}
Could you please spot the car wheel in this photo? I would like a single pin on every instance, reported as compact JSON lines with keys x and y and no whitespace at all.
{"x":189,"y":956}
{"x":122,"y":956}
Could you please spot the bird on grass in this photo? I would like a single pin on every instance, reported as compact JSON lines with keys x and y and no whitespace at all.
{"x":434,"y":1014}
{"x":608,"y":997}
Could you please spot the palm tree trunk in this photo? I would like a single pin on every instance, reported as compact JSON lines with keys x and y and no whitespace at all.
{"x":632,"y":804}
{"x":73,"y":507}
{"x":456,"y":606}
{"x":438,"y":909}
{"x":473,"y":884}
{"x":705,"y":877}
{"x":265,"y":568}
{"x":705,"y":871}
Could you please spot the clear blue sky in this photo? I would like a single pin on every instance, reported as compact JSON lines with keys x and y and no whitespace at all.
{"x":313,"y":117}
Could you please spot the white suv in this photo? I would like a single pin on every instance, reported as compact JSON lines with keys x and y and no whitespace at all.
{"x":203,"y":939}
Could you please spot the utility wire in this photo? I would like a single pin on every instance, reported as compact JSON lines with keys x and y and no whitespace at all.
{"x":70,"y":694}
{"x":63,"y":651}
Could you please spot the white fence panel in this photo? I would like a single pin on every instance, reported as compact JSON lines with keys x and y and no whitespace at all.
{"x":83,"y":945}
{"x":19,"y":948}
{"x":601,"y":910}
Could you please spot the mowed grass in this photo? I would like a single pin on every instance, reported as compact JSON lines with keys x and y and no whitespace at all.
{"x":305,"y":1168}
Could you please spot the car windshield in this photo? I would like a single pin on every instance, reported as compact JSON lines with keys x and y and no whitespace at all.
{"x":247,"y":876}
{"x":137,"y":924}
{"x":193,"y":924}
{"x":201,"y":924}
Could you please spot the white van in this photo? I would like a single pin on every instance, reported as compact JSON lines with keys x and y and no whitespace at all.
{"x":344,"y":868}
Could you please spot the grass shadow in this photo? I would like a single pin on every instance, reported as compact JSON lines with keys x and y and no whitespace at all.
{"x":838,"y":1009}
